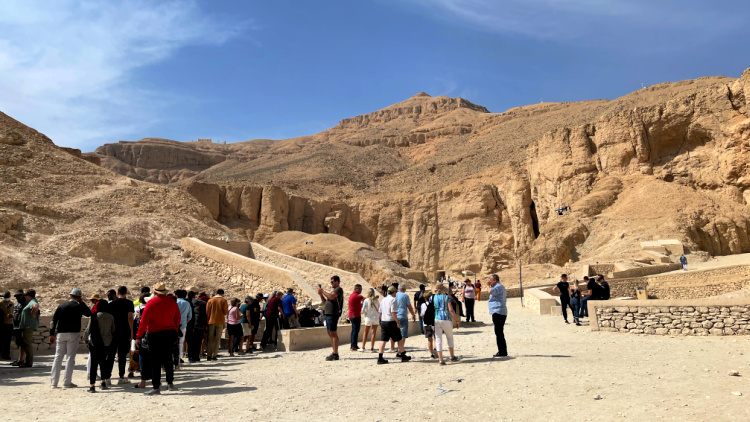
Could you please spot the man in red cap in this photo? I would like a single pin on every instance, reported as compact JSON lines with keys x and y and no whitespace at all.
{"x":160,"y":320}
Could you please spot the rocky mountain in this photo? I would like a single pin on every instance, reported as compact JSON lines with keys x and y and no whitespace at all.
{"x":438,"y":183}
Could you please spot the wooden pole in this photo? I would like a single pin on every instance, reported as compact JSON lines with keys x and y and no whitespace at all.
{"x":520,"y":280}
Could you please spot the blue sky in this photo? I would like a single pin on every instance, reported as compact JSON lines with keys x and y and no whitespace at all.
{"x":91,"y":72}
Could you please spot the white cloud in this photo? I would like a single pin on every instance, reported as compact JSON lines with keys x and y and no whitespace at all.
{"x":66,"y":65}
{"x":568,"y":19}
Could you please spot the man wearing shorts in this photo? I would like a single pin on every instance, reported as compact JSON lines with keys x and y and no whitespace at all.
{"x":334,"y":302}
{"x":404,"y":309}
{"x":390,"y":327}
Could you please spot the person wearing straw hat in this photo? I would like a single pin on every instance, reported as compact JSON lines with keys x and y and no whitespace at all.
{"x":160,"y":320}
{"x":65,"y":333}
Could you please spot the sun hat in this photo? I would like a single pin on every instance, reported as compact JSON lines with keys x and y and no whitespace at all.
{"x":160,"y":288}
{"x":95,"y":296}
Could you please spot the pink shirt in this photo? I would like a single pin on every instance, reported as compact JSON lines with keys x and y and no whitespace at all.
{"x":234,"y":316}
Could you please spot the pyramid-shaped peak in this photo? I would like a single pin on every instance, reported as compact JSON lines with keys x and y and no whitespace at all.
{"x":422,"y":94}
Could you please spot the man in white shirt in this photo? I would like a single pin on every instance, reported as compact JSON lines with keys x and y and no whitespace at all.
{"x":390,"y":328}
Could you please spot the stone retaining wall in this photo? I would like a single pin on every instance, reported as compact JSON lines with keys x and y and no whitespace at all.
{"x":40,"y":339}
{"x":644,"y":271}
{"x":699,"y":317}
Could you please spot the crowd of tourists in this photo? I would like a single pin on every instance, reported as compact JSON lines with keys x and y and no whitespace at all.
{"x":572,"y":297}
{"x":162,"y":330}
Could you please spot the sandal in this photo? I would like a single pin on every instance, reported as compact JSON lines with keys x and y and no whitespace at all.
{"x":139,"y":386}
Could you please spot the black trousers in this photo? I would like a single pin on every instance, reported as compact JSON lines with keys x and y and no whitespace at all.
{"x":122,"y":345}
{"x":271,"y":325}
{"x":102,"y":357}
{"x":6,"y":334}
{"x":195,"y":339}
{"x":161,"y":346}
{"x":564,"y":304}
{"x":499,"y":322}
{"x":469,"y":309}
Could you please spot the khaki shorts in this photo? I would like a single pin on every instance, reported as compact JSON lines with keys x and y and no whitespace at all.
{"x":246,"y":331}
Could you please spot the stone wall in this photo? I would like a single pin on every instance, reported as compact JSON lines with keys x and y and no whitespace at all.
{"x":696,"y":290}
{"x":280,"y":277}
{"x":699,"y":317}
{"x":313,"y":272}
{"x":597,"y":269}
{"x":644,"y":271}
{"x":538,"y":301}
{"x":41,"y":336}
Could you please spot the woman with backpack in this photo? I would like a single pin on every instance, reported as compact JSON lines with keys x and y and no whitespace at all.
{"x":101,"y":328}
{"x":444,"y":317}
{"x":427,"y":312}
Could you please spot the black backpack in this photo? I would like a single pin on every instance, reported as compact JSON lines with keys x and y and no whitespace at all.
{"x":429,"y":314}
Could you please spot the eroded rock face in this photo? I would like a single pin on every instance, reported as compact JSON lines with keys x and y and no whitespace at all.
{"x":159,"y":160}
{"x":451,"y":186}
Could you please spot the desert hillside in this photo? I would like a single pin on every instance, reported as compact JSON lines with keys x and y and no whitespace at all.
{"x":65,"y":221}
{"x":438,"y":183}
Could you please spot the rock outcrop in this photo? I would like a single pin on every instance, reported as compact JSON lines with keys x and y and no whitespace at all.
{"x":440,"y":183}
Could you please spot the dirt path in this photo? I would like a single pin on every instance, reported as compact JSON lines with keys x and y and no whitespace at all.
{"x":553,"y":374}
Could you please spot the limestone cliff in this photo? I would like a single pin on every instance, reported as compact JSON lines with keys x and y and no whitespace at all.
{"x":440,"y":183}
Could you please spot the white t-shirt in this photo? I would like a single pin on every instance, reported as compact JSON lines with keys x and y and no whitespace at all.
{"x":388,"y":305}
{"x":422,"y":310}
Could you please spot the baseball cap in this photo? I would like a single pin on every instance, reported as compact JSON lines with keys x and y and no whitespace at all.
{"x":392,"y":289}
{"x":76,"y":292}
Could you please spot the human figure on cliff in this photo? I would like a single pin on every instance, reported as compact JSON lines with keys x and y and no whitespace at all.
{"x":683,"y":261}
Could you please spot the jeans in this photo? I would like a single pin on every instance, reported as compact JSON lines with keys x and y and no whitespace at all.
{"x":575,"y":306}
{"x":585,"y":306}
{"x":160,"y":346}
{"x":6,"y":333}
{"x":469,"y":309}
{"x":356,"y":324}
{"x":66,"y":344}
{"x":499,"y":322}
{"x":194,"y":344}
{"x":421,"y":325}
{"x":564,"y":304}
{"x":404,"y":327}
{"x":100,"y":357}
{"x":28,"y":345}
{"x":122,"y":345}
{"x":214,"y":339}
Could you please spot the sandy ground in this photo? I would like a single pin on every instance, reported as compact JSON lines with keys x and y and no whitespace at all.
{"x":553,"y":374}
